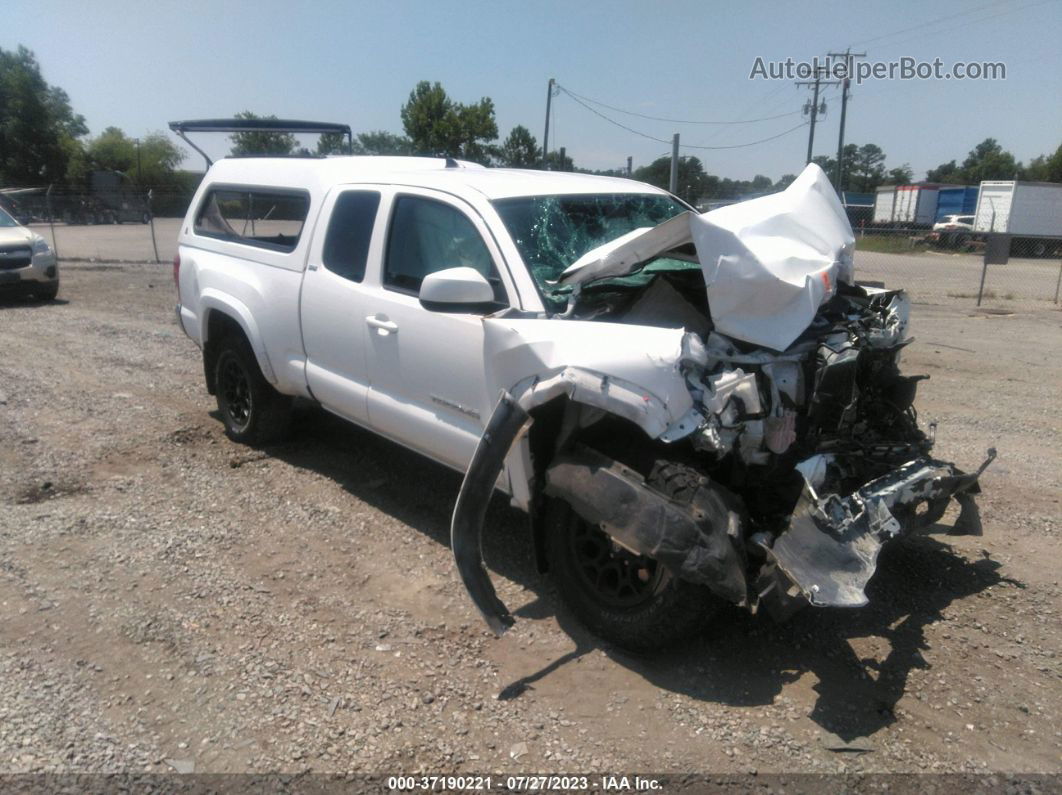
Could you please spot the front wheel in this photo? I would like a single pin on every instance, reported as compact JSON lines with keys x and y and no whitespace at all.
{"x":253,"y":411}
{"x":625,"y":598}
{"x":47,"y":293}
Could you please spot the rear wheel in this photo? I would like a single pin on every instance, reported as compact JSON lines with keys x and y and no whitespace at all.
{"x":253,"y":411}
{"x":625,"y":598}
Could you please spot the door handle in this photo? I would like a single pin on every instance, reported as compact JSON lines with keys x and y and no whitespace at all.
{"x":388,"y":326}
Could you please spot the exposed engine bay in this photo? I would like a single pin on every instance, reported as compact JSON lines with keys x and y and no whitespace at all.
{"x":798,"y":418}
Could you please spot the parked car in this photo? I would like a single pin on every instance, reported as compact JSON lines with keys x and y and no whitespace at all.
{"x":690,"y":412}
{"x":28,"y":265}
{"x":953,"y":231}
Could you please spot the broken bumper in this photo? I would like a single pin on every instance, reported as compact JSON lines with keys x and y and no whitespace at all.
{"x":829,"y":551}
{"x":825,"y":557}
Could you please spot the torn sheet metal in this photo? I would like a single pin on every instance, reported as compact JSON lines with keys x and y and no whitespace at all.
{"x":632,"y":371}
{"x":768,"y":263}
{"x":694,"y":542}
{"x":831,"y":546}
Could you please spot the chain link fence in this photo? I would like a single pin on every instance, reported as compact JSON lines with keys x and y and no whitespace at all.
{"x":122,"y":226}
{"x":944,"y":268}
{"x":1025,"y":273}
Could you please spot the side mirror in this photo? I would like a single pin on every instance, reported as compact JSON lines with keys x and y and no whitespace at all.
{"x":454,"y":289}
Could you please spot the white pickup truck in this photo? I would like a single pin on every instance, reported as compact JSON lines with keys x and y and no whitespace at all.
{"x":692,"y":408}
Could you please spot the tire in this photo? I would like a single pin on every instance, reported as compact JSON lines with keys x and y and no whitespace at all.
{"x":254,"y":413}
{"x":633,"y":602}
{"x":47,"y":293}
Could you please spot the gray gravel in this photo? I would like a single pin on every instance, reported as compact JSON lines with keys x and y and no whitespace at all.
{"x":174,"y":602}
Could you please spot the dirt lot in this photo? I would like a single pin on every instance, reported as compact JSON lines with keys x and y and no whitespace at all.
{"x":172,"y":601}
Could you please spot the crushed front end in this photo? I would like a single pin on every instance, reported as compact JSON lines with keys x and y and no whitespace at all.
{"x":784,"y":402}
{"x":822,"y":444}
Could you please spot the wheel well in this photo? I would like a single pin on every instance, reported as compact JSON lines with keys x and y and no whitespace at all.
{"x":556,"y":426}
{"x":219,"y":327}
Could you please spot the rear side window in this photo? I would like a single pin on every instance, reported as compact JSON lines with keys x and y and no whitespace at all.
{"x":256,"y":217}
{"x":346,"y":246}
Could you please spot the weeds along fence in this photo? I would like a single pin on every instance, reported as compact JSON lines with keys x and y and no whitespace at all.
{"x":1022,"y":272}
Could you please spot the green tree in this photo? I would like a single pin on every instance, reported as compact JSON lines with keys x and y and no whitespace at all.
{"x":332,"y":144}
{"x":520,"y":149}
{"x":760,"y":184}
{"x":380,"y":142}
{"x":153,"y":165}
{"x":261,"y":143}
{"x":867,"y":169}
{"x":1045,"y":168}
{"x":38,"y":128}
{"x":900,"y":175}
{"x":850,"y":158}
{"x":554,"y":161}
{"x":693,"y":183}
{"x":945,"y":172}
{"x":436,"y":125}
{"x":785,"y":181}
{"x":988,"y":160}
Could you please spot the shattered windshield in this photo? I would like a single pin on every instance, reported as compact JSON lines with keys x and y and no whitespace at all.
{"x":552,"y":232}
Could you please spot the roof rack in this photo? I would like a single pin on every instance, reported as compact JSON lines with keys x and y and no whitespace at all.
{"x":258,"y":125}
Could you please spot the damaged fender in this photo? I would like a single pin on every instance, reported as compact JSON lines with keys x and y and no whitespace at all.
{"x":511,"y":414}
{"x":466,"y":528}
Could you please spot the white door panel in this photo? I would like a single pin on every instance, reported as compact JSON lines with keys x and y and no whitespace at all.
{"x":334,"y":301}
{"x":428,"y":387}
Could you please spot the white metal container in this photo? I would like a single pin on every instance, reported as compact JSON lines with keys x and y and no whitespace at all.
{"x":1027,"y":209}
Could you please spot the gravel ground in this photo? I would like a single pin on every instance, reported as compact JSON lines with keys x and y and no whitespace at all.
{"x":172,"y":601}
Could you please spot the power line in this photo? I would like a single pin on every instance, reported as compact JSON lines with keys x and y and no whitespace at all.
{"x":923,"y":25}
{"x":665,"y":140}
{"x":964,"y":23}
{"x":673,"y":121}
{"x":750,"y":143}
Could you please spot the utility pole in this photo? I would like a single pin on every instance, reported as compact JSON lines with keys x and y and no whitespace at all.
{"x":848,"y":55}
{"x":139,"y":182}
{"x":545,"y":135}
{"x":674,"y":164}
{"x":814,"y":108}
{"x":630,"y":162}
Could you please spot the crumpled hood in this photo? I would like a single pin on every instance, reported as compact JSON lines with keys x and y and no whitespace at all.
{"x":768,"y":263}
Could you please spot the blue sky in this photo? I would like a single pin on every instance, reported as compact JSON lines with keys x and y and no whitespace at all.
{"x":139,"y":65}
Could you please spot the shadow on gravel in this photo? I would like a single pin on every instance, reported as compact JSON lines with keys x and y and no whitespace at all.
{"x":742,"y":660}
{"x":15,"y":300}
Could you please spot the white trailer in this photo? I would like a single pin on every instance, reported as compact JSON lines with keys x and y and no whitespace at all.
{"x":885,"y":204}
{"x":1028,"y":211}
{"x":916,"y":204}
